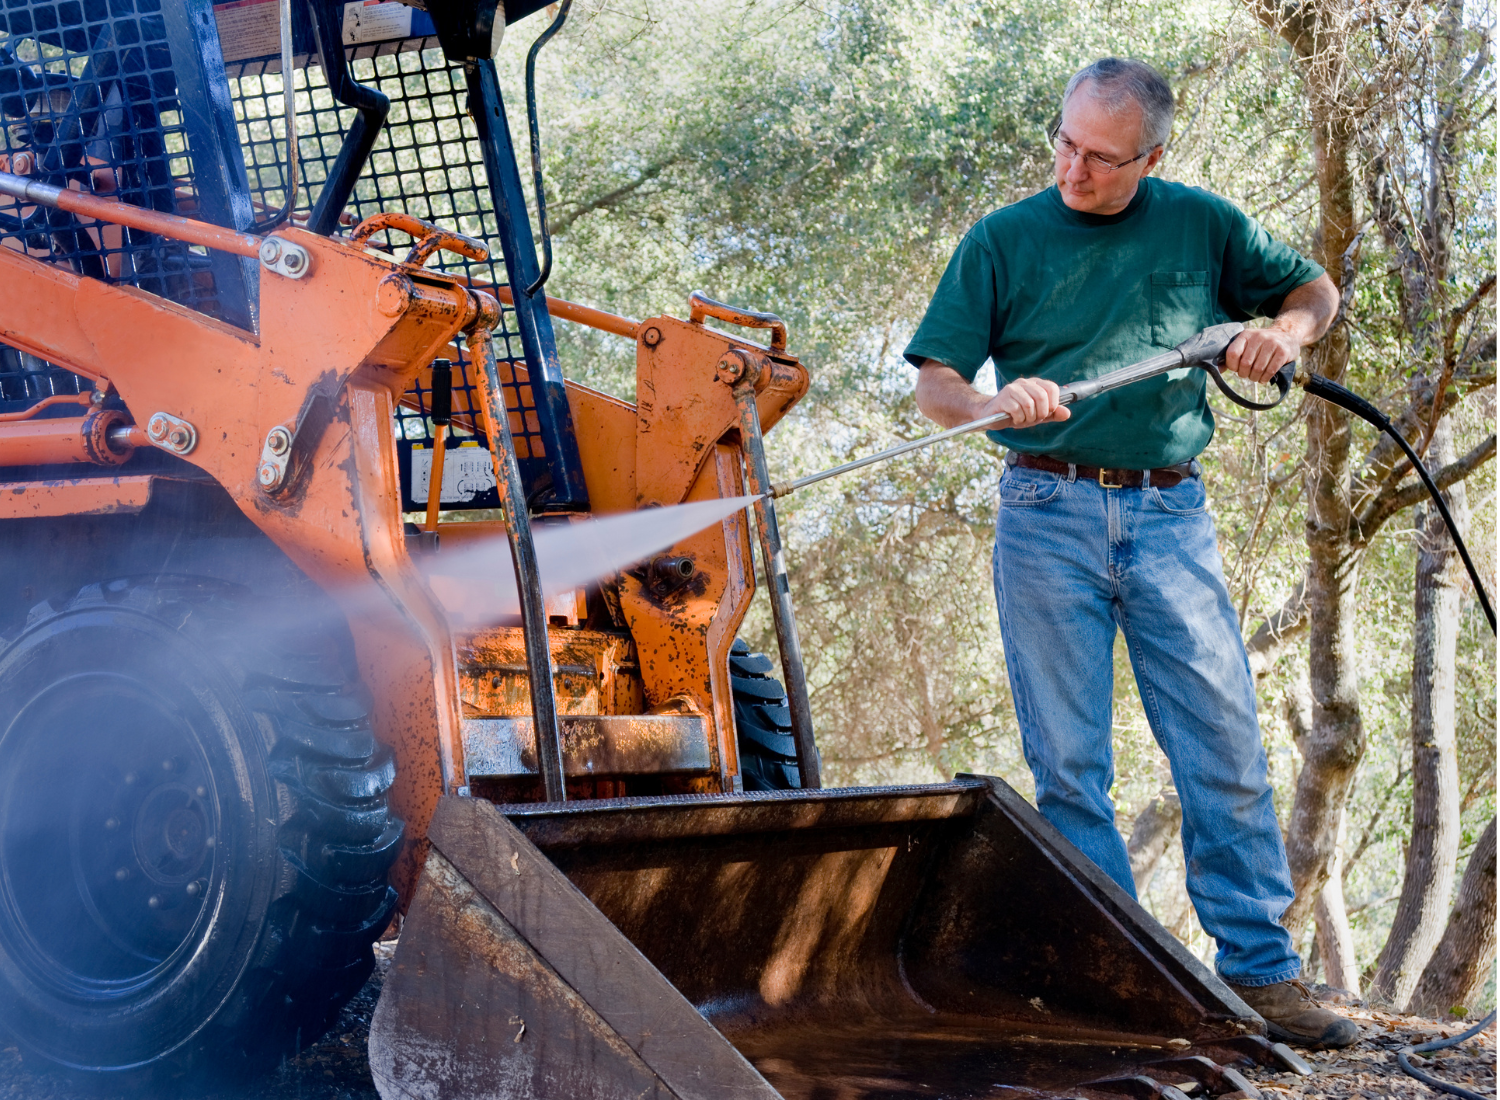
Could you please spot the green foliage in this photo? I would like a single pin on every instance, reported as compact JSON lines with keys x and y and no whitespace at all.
{"x":823,"y":163}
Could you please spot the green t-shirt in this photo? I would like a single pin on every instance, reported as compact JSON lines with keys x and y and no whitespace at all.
{"x":1045,"y":291}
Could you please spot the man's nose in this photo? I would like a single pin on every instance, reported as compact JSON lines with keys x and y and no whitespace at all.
{"x":1077,"y":171}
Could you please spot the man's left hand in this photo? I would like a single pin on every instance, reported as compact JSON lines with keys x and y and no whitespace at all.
{"x":1258,"y":353}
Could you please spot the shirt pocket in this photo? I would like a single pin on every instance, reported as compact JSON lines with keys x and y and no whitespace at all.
{"x":1179,"y":306}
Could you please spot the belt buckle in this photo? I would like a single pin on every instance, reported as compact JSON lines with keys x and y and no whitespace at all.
{"x":1107,"y":484}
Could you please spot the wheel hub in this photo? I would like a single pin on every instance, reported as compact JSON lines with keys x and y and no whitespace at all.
{"x":107,"y":788}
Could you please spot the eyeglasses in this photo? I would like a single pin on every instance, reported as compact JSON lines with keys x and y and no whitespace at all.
{"x":1092,"y":161}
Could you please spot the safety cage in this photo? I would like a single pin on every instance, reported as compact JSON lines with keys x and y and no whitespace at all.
{"x":177,"y":107}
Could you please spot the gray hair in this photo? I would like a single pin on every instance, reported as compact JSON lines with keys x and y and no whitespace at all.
{"x":1114,"y":80}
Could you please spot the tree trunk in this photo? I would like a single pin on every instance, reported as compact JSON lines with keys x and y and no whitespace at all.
{"x":1332,"y":749}
{"x":1153,"y":832}
{"x":1456,"y":975}
{"x":1335,"y":940}
{"x":1433,"y":851}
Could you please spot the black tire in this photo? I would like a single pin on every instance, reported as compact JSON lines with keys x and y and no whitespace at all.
{"x":762,"y":723}
{"x":194,"y":834}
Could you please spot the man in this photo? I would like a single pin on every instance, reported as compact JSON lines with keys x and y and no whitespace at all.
{"x":1102,"y":520}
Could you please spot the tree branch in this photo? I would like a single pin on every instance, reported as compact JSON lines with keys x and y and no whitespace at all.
{"x":610,"y":198}
{"x":1279,"y":630}
{"x":1348,"y":274}
{"x":1388,"y":504}
{"x":1450,"y":358}
{"x":1368,"y":834}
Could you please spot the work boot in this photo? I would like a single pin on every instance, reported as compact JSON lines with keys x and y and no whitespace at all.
{"x":1294,"y":1016}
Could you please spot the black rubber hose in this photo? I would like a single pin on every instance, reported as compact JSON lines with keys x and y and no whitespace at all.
{"x":372,"y":107}
{"x":536,"y":144}
{"x":1404,"y":1054}
{"x":1332,"y":392}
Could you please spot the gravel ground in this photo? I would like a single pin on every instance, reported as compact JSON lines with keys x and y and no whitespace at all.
{"x":335,"y":1069}
{"x":1368,"y":1070}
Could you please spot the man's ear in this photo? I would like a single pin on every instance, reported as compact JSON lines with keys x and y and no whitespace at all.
{"x":1154,"y":159}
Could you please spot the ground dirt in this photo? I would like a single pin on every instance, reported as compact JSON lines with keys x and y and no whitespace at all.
{"x":335,"y":1069}
{"x":1368,"y":1070}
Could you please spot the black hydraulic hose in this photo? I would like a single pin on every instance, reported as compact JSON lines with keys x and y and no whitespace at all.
{"x":289,"y":113}
{"x":1336,"y":394}
{"x":372,"y":107}
{"x":1404,"y":1054}
{"x":536,"y":144}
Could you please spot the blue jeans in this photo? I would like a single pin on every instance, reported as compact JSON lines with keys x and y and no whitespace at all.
{"x":1073,"y":562}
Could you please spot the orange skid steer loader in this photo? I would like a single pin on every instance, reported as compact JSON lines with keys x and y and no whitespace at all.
{"x":248,"y":714}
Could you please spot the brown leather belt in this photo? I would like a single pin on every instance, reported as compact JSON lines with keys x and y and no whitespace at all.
{"x":1163,"y":478}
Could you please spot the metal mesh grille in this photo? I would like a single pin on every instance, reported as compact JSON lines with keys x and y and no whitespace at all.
{"x":88,"y":96}
{"x":427,"y":163}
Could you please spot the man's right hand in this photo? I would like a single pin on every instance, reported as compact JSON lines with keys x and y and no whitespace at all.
{"x":1029,"y":401}
{"x":946,"y":396}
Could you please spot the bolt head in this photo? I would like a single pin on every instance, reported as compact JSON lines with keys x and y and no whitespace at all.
{"x":121,"y":875}
{"x":111,"y":823}
{"x":731,"y":369}
{"x":652,"y":336}
{"x":154,"y":902}
{"x":270,"y":250}
{"x":293,"y":260}
{"x":156,"y":427}
{"x":193,"y":889}
{"x":268,"y":475}
{"x":178,"y":437}
{"x":278,"y":442}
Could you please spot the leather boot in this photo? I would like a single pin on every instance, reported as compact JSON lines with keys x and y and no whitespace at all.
{"x":1292,"y":1015}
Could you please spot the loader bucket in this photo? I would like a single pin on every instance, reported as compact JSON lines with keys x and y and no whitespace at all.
{"x":936,"y":941}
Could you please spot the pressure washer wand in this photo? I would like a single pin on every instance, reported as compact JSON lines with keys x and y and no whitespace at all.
{"x":1203,"y":350}
{"x":1200,"y":350}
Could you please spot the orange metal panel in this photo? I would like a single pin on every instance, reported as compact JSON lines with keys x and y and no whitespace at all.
{"x":82,"y":496}
{"x":324,"y":366}
{"x":683,"y":409}
{"x":683,"y":639}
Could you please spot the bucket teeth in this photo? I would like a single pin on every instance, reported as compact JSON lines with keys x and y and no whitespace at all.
{"x":1257,"y":1050}
{"x":1138,"y":1087}
{"x":1213,"y":1078}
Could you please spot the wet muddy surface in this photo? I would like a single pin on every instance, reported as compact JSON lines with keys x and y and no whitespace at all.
{"x":336,"y":1068}
{"x":333,"y":1069}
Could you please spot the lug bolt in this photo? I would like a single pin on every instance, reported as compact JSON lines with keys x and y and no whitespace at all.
{"x":200,"y":791}
{"x":129,"y":778}
{"x":121,"y":875}
{"x":269,"y":475}
{"x":210,"y":842}
{"x":111,"y":824}
{"x":270,"y":250}
{"x":153,"y":902}
{"x":279,"y":441}
{"x":166,"y":765}
{"x":193,"y":889}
